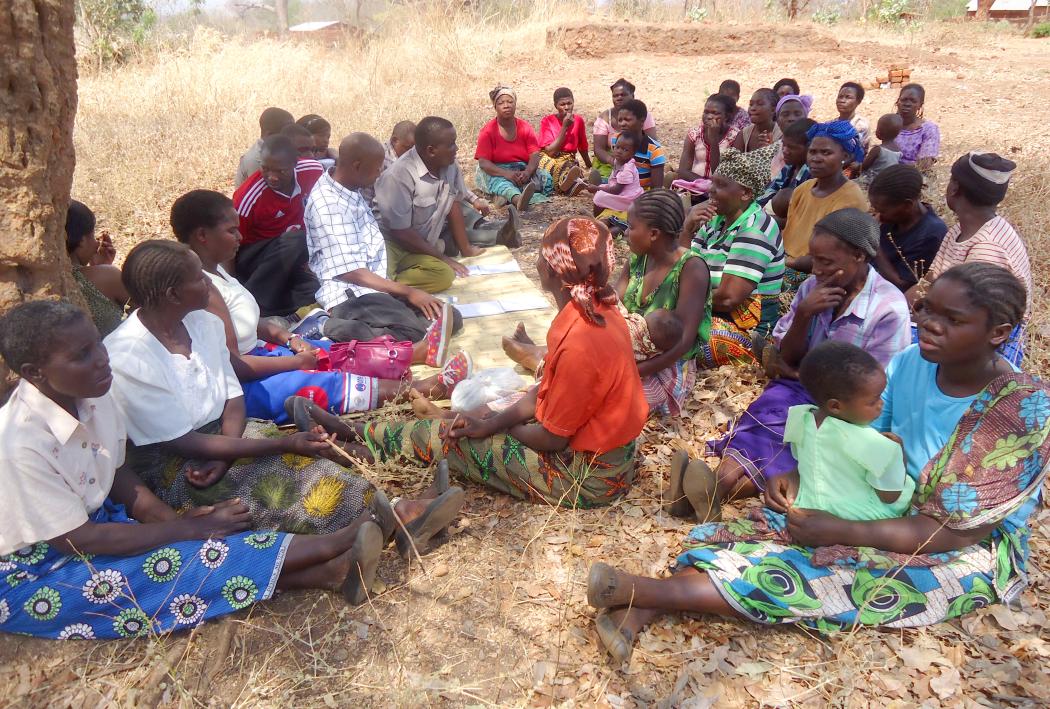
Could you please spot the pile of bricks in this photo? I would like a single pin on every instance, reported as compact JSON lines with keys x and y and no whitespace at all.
{"x":896,"y":77}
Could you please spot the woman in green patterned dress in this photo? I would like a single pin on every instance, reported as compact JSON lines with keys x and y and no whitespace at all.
{"x":93,"y":268}
{"x":975,"y":433}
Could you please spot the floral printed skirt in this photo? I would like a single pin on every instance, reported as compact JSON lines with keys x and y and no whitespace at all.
{"x":568,"y":478}
{"x":174,"y":587}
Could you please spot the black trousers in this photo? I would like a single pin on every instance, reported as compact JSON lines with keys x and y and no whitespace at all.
{"x":276,"y":272}
{"x":377,"y":314}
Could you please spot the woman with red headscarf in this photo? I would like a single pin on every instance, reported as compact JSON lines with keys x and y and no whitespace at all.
{"x":570,"y":440}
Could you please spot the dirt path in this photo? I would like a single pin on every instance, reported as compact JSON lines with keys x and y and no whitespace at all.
{"x":499,"y":617}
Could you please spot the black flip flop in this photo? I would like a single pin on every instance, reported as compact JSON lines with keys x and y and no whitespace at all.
{"x":678,"y":504}
{"x":617,"y":642}
{"x":384,"y":515}
{"x":364,"y":558}
{"x":442,"y":479}
{"x":437,"y":516}
{"x":298,"y":410}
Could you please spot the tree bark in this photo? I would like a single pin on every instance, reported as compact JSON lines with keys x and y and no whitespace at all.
{"x":38,"y":99}
{"x":983,"y":9}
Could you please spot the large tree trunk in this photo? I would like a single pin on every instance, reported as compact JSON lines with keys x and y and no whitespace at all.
{"x":983,"y":8}
{"x":38,"y":85}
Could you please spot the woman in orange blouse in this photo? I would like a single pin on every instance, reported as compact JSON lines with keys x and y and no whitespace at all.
{"x":570,"y":440}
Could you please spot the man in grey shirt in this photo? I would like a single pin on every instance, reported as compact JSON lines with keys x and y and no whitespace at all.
{"x":428,"y":215}
{"x":271,"y":122}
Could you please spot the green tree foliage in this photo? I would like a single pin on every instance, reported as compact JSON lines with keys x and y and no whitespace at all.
{"x":113,"y":29}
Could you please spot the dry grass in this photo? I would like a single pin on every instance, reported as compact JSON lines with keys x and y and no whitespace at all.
{"x":500,"y":619}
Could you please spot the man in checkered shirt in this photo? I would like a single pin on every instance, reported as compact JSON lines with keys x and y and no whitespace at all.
{"x":348,"y":255}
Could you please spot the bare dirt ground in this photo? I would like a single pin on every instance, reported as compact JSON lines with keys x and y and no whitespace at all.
{"x":498,"y":616}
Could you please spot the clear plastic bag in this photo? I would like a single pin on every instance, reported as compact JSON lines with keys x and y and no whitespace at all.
{"x":485,"y":386}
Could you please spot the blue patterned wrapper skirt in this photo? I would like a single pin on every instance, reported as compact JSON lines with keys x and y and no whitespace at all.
{"x":174,"y":587}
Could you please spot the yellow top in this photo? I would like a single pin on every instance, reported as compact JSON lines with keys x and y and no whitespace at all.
{"x":806,"y":210}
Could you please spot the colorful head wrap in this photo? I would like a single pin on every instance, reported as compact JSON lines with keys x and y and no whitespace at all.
{"x":806,"y":100}
{"x":749,"y":169}
{"x":842,"y":133}
{"x":502,"y":90}
{"x":579,"y":251}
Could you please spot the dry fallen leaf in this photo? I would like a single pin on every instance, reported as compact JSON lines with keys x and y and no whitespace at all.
{"x":946,"y":683}
{"x":920,"y":659}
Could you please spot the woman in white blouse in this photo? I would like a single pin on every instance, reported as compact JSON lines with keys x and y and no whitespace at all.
{"x":271,"y":362}
{"x":86,"y":550}
{"x":191,"y":441}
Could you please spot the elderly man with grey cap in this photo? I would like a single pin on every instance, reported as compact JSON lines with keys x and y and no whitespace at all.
{"x":845,"y":300}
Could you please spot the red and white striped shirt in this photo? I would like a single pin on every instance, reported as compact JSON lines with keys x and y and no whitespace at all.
{"x":996,"y":242}
{"x":265,"y":213}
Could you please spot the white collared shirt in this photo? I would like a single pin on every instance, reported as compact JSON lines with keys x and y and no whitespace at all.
{"x":57,"y":469}
{"x":342,"y":236}
{"x":163,"y":396}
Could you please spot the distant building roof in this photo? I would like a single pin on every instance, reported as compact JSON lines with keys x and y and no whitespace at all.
{"x":315,"y":26}
{"x":1008,"y":5}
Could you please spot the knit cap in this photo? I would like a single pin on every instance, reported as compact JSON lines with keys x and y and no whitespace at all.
{"x":854,"y":227}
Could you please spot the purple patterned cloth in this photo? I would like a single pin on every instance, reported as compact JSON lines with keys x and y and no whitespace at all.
{"x":756,"y":441}
{"x":878,"y":320}
{"x":921,"y":142}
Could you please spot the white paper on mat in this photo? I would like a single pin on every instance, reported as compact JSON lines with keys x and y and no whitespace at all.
{"x":504,"y":305}
{"x":490,"y":269}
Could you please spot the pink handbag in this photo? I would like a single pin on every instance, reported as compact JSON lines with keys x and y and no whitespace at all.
{"x":382,"y":358}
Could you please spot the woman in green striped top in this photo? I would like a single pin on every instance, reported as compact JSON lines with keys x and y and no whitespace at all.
{"x":745,"y":253}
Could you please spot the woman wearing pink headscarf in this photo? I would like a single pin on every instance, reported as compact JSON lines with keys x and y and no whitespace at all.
{"x":570,"y":441}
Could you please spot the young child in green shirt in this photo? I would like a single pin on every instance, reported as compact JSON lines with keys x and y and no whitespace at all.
{"x":845,"y":467}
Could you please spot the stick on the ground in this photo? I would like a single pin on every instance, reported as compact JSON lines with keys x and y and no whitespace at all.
{"x":356,"y":463}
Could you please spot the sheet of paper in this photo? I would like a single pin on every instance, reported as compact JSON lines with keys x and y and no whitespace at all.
{"x":489,"y":269}
{"x":524,"y":302}
{"x":478,"y":310}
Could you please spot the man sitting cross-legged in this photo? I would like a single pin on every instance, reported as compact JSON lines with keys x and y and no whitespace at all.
{"x":271,"y":121}
{"x":349,"y":256}
{"x":429,"y":216}
{"x":271,"y":262}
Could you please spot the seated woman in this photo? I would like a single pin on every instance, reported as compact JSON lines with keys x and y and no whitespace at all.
{"x":88,"y":551}
{"x":763,"y":131}
{"x":794,"y":147}
{"x":964,"y":546}
{"x":191,"y":444}
{"x":704,"y":144}
{"x":978,"y":184}
{"x":786,"y":87}
{"x":508,"y":156}
{"x":790,"y":110}
{"x":93,"y":268}
{"x":553,"y":445}
{"x":563,"y":135}
{"x":660,"y":275}
{"x":742,"y":247}
{"x":920,"y":140}
{"x":606,"y":128}
{"x":271,"y":363}
{"x":845,"y":300}
{"x":832,"y":146}
{"x":910,"y":232}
